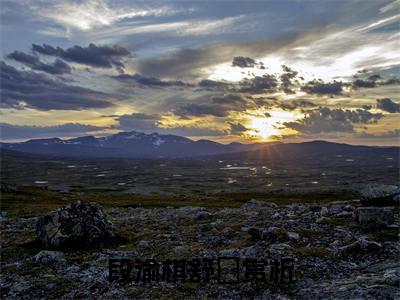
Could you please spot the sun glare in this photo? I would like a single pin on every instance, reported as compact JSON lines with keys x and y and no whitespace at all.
{"x":263,"y":127}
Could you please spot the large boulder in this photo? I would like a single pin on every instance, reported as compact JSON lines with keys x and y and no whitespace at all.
{"x":375,"y":217}
{"x":380,"y":195}
{"x":76,"y":225}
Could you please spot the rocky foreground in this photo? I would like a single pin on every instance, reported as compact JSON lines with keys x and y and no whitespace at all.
{"x":341,"y":250}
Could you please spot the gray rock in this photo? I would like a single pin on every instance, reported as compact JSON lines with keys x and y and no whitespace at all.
{"x":361,"y":245}
{"x":259,"y":204}
{"x":274,"y":234}
{"x":293,"y":236}
{"x":379,"y":194}
{"x":76,"y":225}
{"x":324,"y":211}
{"x":45,"y":256}
{"x":374,"y":217}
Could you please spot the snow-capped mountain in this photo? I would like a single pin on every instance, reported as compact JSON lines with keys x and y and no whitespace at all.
{"x":127,"y":144}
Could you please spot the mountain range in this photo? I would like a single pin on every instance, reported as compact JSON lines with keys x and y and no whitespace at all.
{"x":141,"y":145}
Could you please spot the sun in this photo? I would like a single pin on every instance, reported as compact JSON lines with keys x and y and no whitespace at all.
{"x":263,"y":128}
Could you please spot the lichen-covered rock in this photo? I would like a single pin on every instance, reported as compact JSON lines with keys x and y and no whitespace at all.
{"x":361,"y":245}
{"x":374,"y":217}
{"x":76,"y":225}
{"x":251,"y":204}
{"x":380,"y":195}
{"x":45,"y":256}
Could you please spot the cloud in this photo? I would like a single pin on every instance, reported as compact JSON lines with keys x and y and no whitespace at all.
{"x":193,"y":63}
{"x":214,"y":105}
{"x":21,"y":89}
{"x":325,"y":119}
{"x":153,"y":123}
{"x":321,"y":88}
{"x":237,"y":128}
{"x":12,"y":132}
{"x":292,"y":105}
{"x":150,"y":81}
{"x":138,"y":121}
{"x":373,"y":81}
{"x":32,"y":61}
{"x":287,"y":83}
{"x":88,"y":15}
{"x":388,"y":105}
{"x":243,"y":62}
{"x":385,"y":135}
{"x":259,"y":84}
{"x":92,"y":55}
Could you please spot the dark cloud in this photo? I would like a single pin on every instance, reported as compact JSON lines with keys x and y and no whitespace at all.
{"x":197,"y":110}
{"x":292,"y":105}
{"x":150,"y":81}
{"x":94,"y":56}
{"x":259,"y":84}
{"x":215,"y":85}
{"x":10,"y":131}
{"x":217,"y":105}
{"x":325,"y":119}
{"x":388,"y":105}
{"x":138,"y":121}
{"x":287,"y":80}
{"x":321,"y":88}
{"x":373,"y":81}
{"x":150,"y":123}
{"x":243,"y":62}
{"x":32,"y":61}
{"x":188,"y":64}
{"x":34,"y":90}
{"x":385,"y":135}
{"x":237,"y":128}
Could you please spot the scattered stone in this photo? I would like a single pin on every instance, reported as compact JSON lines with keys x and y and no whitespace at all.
{"x":46,"y":256}
{"x":361,"y":245}
{"x":76,"y":225}
{"x":324,"y":211}
{"x":259,"y":204}
{"x":374,"y":217}
{"x":293,"y":236}
{"x":344,"y":214}
{"x":380,"y":195}
{"x":274,"y":234}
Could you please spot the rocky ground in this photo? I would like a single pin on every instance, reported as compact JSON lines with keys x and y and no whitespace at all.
{"x":341,"y":250}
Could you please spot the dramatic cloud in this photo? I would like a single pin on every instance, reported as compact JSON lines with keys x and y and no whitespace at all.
{"x":243,"y":62}
{"x":32,"y":61}
{"x":94,"y":56}
{"x":138,"y":121}
{"x":325,"y":119}
{"x":287,"y":80}
{"x":259,"y":84}
{"x":385,"y":135}
{"x":292,"y":105}
{"x":388,"y":105}
{"x":152,"y":123}
{"x":10,"y":131}
{"x":321,"y":88}
{"x":373,"y":81}
{"x":150,"y":81}
{"x":217,"y":105}
{"x":21,"y":89}
{"x":237,"y":128}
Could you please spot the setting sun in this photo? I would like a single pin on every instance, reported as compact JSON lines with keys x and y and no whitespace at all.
{"x":263,"y":127}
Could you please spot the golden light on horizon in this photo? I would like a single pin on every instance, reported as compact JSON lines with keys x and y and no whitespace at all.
{"x":266,"y":127}
{"x":263,"y":128}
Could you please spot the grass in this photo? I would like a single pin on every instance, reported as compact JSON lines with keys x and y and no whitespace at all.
{"x":312,"y":251}
{"x":34,"y":201}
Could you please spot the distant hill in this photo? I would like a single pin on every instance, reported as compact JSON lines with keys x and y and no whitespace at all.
{"x":140,"y":145}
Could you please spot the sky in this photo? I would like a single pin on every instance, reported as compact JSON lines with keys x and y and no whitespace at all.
{"x":244,"y":71}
